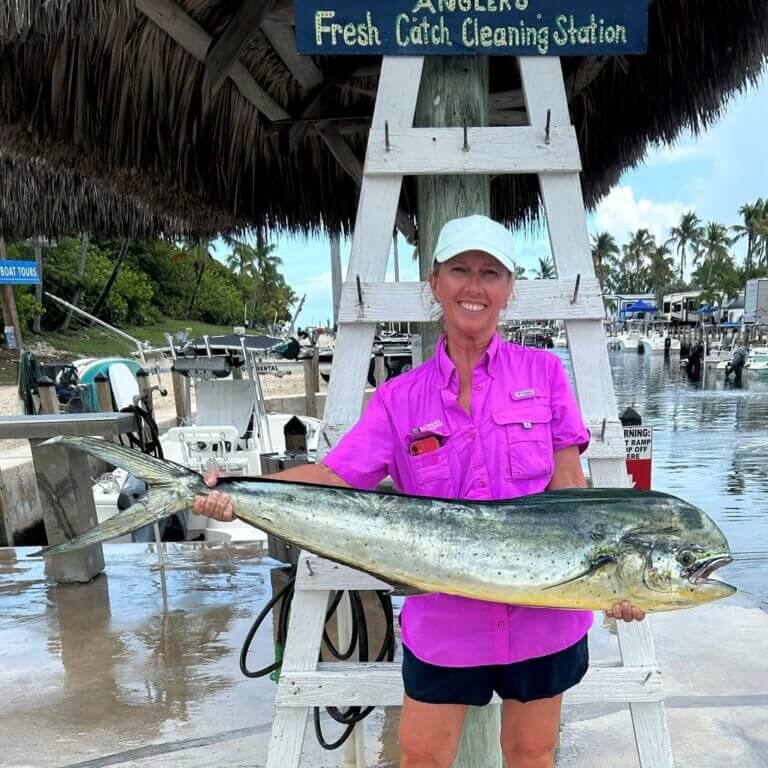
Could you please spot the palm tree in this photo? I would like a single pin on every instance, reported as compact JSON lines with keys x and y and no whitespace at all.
{"x":546,"y":270}
{"x":84,"y":242}
{"x":716,"y":244}
{"x":687,"y":233}
{"x":200,"y":252}
{"x":242,"y":260}
{"x":605,"y":253}
{"x":661,"y":271}
{"x":635,"y":262}
{"x":520,"y":273}
{"x":106,"y":290}
{"x":755,"y":229}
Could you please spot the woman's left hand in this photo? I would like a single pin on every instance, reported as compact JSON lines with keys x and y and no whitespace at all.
{"x":625,"y":610}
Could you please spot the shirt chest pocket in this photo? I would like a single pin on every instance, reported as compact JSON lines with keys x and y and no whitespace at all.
{"x":527,"y":449}
{"x":432,"y":470}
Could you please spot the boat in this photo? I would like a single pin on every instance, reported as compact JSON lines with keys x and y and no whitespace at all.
{"x":654,"y":340}
{"x":628,"y":339}
{"x":757,"y":362}
{"x":560,"y":340}
{"x":231,"y":432}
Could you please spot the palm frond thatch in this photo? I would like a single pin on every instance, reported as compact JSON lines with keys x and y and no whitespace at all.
{"x":99,"y":90}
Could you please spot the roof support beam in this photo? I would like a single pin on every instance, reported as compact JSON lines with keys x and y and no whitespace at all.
{"x":175,"y":21}
{"x":283,"y":40}
{"x":226,"y":49}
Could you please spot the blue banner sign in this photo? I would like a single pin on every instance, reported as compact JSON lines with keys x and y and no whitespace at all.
{"x":461,"y":27}
{"x":19,"y":273}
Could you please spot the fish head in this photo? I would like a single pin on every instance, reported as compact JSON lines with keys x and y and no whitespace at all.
{"x":669,"y":565}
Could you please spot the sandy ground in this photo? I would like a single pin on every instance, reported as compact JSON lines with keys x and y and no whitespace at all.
{"x":291,"y":383}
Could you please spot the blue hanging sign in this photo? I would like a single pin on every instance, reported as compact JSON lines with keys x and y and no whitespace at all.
{"x":19,"y":273}
{"x":462,"y":27}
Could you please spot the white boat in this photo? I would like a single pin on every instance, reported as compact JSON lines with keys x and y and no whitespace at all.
{"x":231,"y":432}
{"x":560,"y":340}
{"x":757,"y":362}
{"x":657,"y":342}
{"x":628,"y":339}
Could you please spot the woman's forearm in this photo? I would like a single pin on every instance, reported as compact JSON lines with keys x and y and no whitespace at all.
{"x":318,"y":474}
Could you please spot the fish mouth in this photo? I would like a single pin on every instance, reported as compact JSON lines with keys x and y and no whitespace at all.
{"x":701,"y":570}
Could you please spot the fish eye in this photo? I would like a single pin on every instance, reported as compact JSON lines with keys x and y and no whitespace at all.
{"x":687,"y":558}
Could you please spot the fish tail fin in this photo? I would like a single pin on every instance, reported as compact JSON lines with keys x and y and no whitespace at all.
{"x":148,"y":468}
{"x":171,"y":488}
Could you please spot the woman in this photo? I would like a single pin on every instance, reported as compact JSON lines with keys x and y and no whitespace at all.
{"x":483,"y":419}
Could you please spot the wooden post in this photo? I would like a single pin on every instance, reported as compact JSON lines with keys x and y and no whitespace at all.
{"x":336,"y":276}
{"x":39,"y":285}
{"x":379,"y":368}
{"x":181,"y":396}
{"x":454,"y":92}
{"x":49,"y":401}
{"x":103,"y":393}
{"x":8,"y":300}
{"x":312,"y":382}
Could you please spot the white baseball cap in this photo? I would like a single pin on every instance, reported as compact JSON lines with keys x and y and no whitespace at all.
{"x":475,"y":233}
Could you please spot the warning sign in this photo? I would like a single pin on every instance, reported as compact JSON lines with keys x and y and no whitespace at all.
{"x":639,"y":442}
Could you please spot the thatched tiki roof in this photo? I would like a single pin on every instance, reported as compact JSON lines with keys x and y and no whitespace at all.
{"x":118,"y":92}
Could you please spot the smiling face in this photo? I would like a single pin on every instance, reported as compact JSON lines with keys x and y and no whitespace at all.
{"x":473,"y":288}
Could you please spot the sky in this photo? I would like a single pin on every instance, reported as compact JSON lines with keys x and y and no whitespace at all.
{"x":713,"y":174}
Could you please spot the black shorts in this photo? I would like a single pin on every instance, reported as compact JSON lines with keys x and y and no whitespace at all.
{"x":539,"y":678}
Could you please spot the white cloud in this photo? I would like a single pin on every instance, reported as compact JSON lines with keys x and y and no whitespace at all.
{"x":621,"y":213}
{"x":660,"y":156}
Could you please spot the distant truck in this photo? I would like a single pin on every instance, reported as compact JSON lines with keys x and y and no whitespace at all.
{"x":756,"y":301}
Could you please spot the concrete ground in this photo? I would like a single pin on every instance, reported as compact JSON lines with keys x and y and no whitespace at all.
{"x":139,"y":670}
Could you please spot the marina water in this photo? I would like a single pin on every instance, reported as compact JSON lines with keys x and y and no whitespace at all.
{"x":710,"y":447}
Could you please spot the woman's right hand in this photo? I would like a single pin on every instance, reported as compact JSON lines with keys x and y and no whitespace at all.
{"x":215,"y":504}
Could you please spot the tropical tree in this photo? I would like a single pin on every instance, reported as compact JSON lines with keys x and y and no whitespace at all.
{"x":520,"y":273}
{"x":634,"y":264}
{"x":199,"y":252}
{"x":605,"y":255}
{"x":716,"y":274}
{"x":84,"y":242}
{"x":661,"y":270}
{"x":687,"y":233}
{"x":117,"y":266}
{"x":546,"y":270}
{"x":243,"y":258}
{"x":755,"y":229}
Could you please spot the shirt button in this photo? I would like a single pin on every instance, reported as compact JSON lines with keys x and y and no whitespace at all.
{"x":472,"y":435}
{"x":482,"y":483}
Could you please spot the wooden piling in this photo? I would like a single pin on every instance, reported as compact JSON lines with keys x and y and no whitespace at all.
{"x":49,"y":401}
{"x":103,"y":393}
{"x":379,"y":368}
{"x":454,"y":93}
{"x":312,"y":382}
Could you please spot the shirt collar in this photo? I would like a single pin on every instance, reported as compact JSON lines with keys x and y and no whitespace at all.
{"x":445,"y":366}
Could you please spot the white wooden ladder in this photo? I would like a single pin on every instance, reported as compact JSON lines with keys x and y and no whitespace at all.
{"x":549,"y":148}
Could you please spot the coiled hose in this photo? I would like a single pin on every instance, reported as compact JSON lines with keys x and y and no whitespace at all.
{"x":358,"y":640}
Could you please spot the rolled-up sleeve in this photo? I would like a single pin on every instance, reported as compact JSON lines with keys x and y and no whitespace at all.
{"x":568,"y":427}
{"x":364,"y":456}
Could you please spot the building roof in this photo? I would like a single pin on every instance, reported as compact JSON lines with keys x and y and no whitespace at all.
{"x":118,"y":94}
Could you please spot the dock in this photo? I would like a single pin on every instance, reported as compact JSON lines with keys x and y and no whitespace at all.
{"x":136,"y":669}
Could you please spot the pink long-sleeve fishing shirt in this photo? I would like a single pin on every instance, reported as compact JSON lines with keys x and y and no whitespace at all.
{"x":522,"y":411}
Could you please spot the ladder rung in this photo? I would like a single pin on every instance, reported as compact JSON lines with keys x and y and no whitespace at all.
{"x":434,"y":151}
{"x":412,"y":301}
{"x":381,"y":684}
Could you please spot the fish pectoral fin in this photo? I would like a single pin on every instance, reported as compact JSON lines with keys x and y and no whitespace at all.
{"x":155,"y":505}
{"x":405,"y":590}
{"x":594,"y":565}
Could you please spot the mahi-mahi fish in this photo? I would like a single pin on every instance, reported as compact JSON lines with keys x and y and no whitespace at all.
{"x":578,"y":549}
